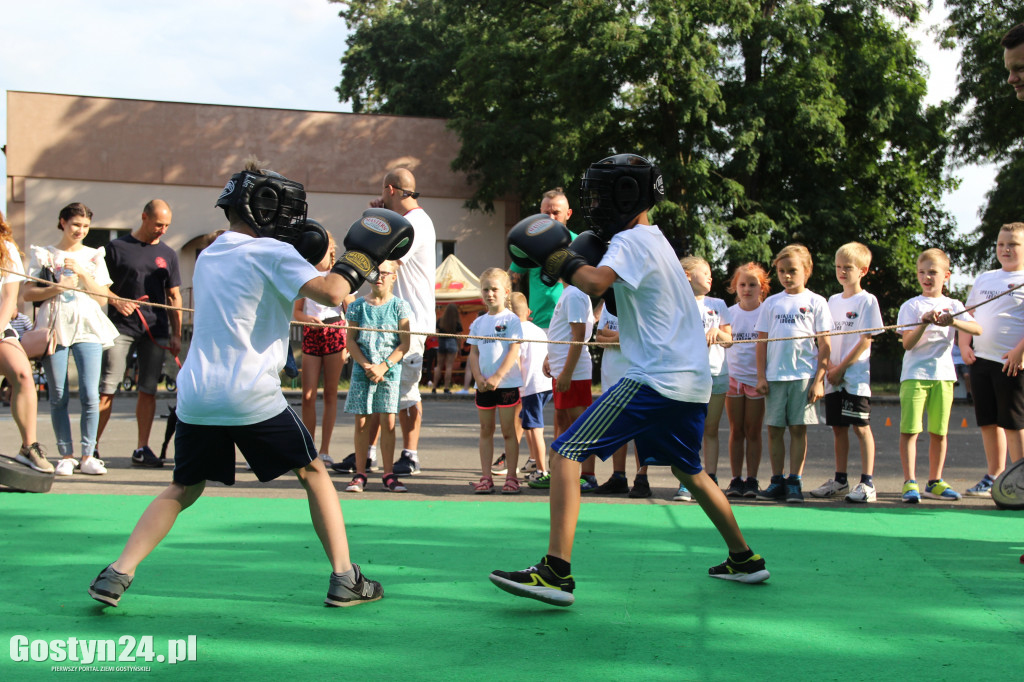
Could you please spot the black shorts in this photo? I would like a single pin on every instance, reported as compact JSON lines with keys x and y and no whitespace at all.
{"x":846,"y":409}
{"x":998,"y":399}
{"x":501,"y":397}
{"x":272,"y":447}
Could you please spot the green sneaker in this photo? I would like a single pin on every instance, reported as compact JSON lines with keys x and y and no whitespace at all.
{"x":911,"y":492}
{"x":940,"y":490}
{"x":542,"y":482}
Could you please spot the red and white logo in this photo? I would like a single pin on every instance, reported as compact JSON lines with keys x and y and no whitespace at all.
{"x":375,"y":224}
{"x":160,"y":262}
{"x":538,"y":226}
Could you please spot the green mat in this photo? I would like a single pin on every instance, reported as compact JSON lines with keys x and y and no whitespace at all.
{"x":854,"y":594}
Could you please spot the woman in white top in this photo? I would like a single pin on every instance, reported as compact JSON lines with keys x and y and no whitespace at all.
{"x":14,"y":362}
{"x":81,"y":328}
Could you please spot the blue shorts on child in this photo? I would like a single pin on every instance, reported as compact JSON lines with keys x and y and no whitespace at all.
{"x":532,"y":413}
{"x":667,"y":432}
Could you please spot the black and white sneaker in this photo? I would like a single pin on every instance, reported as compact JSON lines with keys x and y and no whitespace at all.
{"x":750,"y":571}
{"x":348,"y":465}
{"x":363,"y":590}
{"x":407,"y":465}
{"x":109,"y":585}
{"x":499,"y":468}
{"x":144,"y":457}
{"x":537,"y":582}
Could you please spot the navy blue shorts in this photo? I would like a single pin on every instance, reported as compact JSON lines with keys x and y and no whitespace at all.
{"x":532,"y":414}
{"x":667,"y":432}
{"x":272,"y":447}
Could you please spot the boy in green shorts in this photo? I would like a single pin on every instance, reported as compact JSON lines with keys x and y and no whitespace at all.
{"x":927,"y":326}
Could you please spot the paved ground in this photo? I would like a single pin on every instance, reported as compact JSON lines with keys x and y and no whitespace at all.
{"x":449,"y":455}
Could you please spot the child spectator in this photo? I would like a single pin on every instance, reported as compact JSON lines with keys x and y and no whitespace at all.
{"x":536,"y":390}
{"x":926,"y":324}
{"x":447,"y":346}
{"x":495,"y":367}
{"x":571,"y":368}
{"x":791,"y":372}
{"x":376,"y":374}
{"x":848,"y":380}
{"x":997,"y":383}
{"x":323,"y":352}
{"x":715,"y":315}
{"x":743,"y":404}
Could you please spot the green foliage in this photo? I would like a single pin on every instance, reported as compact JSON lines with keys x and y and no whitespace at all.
{"x":990,"y":121}
{"x":773,"y":121}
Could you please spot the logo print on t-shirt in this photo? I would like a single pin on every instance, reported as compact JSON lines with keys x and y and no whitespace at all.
{"x":160,"y":262}
{"x":803,"y":311}
{"x":852,"y":315}
{"x":500,"y":328}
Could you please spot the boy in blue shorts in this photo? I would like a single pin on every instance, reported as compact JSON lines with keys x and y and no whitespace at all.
{"x":229,"y":389}
{"x":661,"y":401}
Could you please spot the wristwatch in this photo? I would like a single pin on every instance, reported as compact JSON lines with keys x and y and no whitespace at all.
{"x":389,"y":363}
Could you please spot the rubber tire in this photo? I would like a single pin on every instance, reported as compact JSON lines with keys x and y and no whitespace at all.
{"x":1008,"y":490}
{"x":16,"y":475}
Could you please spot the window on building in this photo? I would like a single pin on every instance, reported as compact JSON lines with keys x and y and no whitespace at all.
{"x":444,"y":249}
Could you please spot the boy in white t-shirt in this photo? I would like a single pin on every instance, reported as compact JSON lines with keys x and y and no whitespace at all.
{"x":229,"y":388}
{"x":791,"y":373}
{"x":848,"y":380}
{"x":661,"y":400}
{"x":997,"y":358}
{"x":926,"y":324}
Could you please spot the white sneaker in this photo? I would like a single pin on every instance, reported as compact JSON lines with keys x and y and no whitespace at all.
{"x":862,"y":493}
{"x":830,"y":488}
{"x":93,"y":466}
{"x":328,"y":460}
{"x":65,"y":467}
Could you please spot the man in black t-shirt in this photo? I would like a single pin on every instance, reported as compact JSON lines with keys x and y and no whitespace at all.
{"x":142,"y":269}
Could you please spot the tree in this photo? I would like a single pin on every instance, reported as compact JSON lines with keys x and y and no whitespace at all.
{"x":773,"y":121}
{"x":990,"y":123}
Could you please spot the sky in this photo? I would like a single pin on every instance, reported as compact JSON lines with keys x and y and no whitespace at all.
{"x":261,"y":53}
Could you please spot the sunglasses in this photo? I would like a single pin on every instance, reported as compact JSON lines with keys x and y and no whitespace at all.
{"x":405,"y":192}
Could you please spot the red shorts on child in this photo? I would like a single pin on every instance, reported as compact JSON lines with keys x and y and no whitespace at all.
{"x":578,"y":395}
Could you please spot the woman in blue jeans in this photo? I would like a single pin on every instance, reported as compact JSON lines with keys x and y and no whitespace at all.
{"x":81,"y":329}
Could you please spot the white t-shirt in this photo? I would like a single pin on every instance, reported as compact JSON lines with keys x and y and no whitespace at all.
{"x":415,"y":281}
{"x":784,"y":315}
{"x":532,"y":352}
{"x":714,"y":313}
{"x":660,"y":332}
{"x":491,"y":353}
{"x":79,"y":317}
{"x":932,"y":358}
{"x":742,"y":357}
{"x":573,"y":307}
{"x":613,"y":363}
{"x":323,"y":312}
{"x":244,"y":289}
{"x":859,"y":311}
{"x":1002,"y":320}
{"x":13,"y":263}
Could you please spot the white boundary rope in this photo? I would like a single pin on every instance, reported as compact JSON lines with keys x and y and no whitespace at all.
{"x":861,"y":332}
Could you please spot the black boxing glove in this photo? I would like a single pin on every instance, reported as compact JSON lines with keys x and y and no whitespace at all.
{"x":378,"y":236}
{"x":539,"y":240}
{"x":591,"y":248}
{"x":312,"y":241}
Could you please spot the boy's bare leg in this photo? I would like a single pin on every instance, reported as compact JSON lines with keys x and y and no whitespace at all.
{"x":619,"y":458}
{"x":325,"y":511}
{"x":908,"y":455}
{"x":565,"y":506}
{"x":993,"y":438}
{"x":797,"y":449}
{"x":715,"y":505}
{"x":155,"y":523}
{"x":535,"y":442}
{"x":1015,"y":444}
{"x":715,"y":407}
{"x":867,"y":448}
{"x":777,"y":449}
{"x":936,"y":456}
{"x":841,"y":438}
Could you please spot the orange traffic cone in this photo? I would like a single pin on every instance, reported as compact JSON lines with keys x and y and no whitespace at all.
{"x":963,"y":424}
{"x":888,"y":422}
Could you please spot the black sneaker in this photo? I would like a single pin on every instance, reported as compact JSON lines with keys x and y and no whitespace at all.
{"x":615,"y":485}
{"x":794,"y":491}
{"x":750,"y":487}
{"x":776,"y":489}
{"x":348,"y":465}
{"x":735,"y":488}
{"x":364,"y":590}
{"x":109,"y":585}
{"x":537,"y":582}
{"x":499,"y":468}
{"x":640,"y":489}
{"x":750,"y":571}
{"x":406,"y":465}
{"x":144,"y":457}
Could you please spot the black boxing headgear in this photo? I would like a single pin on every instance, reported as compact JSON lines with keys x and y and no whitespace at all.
{"x":616,"y":190}
{"x":269,"y":203}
